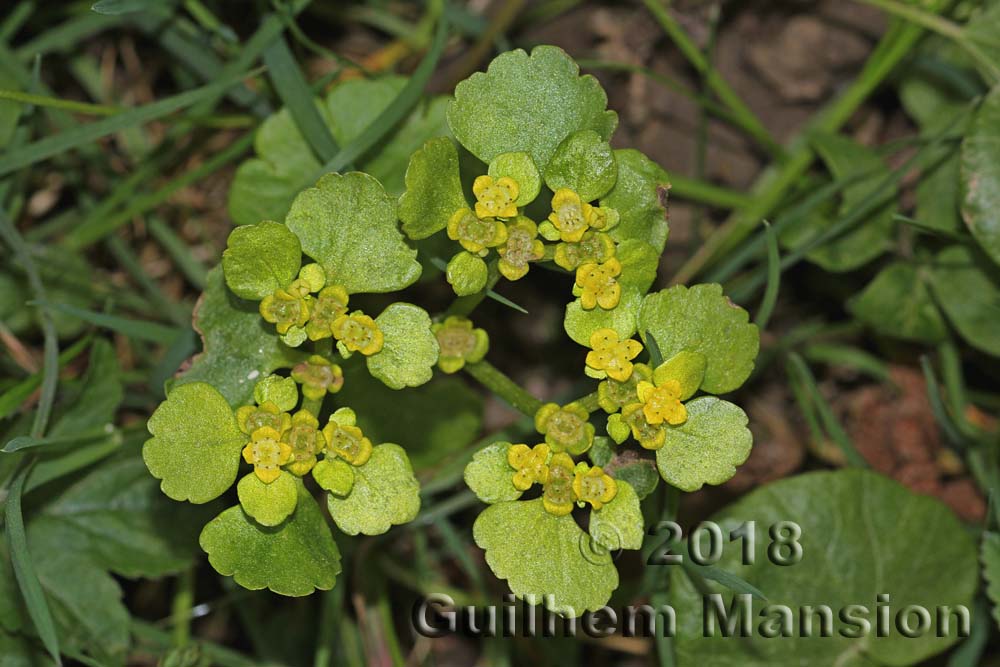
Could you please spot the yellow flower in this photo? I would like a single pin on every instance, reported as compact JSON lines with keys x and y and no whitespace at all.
{"x":522,"y":246}
{"x":346,"y":440}
{"x":328,"y":305}
{"x":306,"y":441}
{"x":285,"y":309}
{"x":474,"y":233}
{"x":597,"y":284}
{"x":565,"y":428}
{"x":252,"y":417}
{"x":594,"y":247}
{"x":570,"y":215}
{"x":610,"y":356}
{"x":612,"y":395}
{"x":650,"y":436}
{"x":495,"y":199}
{"x":317,"y":377}
{"x":460,"y":343}
{"x":558,"y":495}
{"x":662,"y":403}
{"x":267,"y":453}
{"x":359,"y":333}
{"x":531,"y":464}
{"x":593,"y":485}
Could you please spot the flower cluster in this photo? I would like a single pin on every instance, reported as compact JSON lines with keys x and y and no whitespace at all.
{"x":563,"y":481}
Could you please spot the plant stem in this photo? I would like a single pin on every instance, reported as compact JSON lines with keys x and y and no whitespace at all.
{"x":501,"y":385}
{"x":589,"y":402}
{"x":715,"y":82}
{"x":775,"y":181}
{"x":180,"y":609}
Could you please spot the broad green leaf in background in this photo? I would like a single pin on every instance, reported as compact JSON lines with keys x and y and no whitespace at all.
{"x":967,"y":287}
{"x":490,"y":476}
{"x":584,"y":163}
{"x":410,"y":351}
{"x":989,"y":557}
{"x":847,"y":159}
{"x":347,"y":223}
{"x":708,"y":447}
{"x":861,"y":535}
{"x":981,"y":176}
{"x":430,"y":421}
{"x":541,"y":555}
{"x":619,"y":524}
{"x":898,"y":303}
{"x":433,"y":189}
{"x":196,"y":443}
{"x":639,"y":262}
{"x":67,"y":278}
{"x":293,"y":559}
{"x":261,"y":258}
{"x":528,"y":103}
{"x":239,"y":346}
{"x":702,"y":319}
{"x":92,"y":408}
{"x":640,"y":197}
{"x":264,"y":186}
{"x":385,"y":494}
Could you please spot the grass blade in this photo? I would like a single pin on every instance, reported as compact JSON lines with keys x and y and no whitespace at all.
{"x":85,"y":134}
{"x":19,"y":393}
{"x":24,"y":569}
{"x":138,"y":329}
{"x":724,"y":577}
{"x":773,"y":278}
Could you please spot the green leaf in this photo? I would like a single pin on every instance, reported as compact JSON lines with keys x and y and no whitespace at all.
{"x":260,"y":259}
{"x":686,"y":367}
{"x":640,"y":473}
{"x":640,"y":197}
{"x":282,"y":391}
{"x":619,"y":524}
{"x":93,"y":408}
{"x":490,"y":476}
{"x":239,"y":346}
{"x":861,"y":535}
{"x":410,"y":351}
{"x":268,"y":504}
{"x":898,"y":303}
{"x":585,"y":163}
{"x":847,"y":159}
{"x":701,"y":319}
{"x":639,"y":263}
{"x":433,"y":189}
{"x":128,"y":525}
{"x":430,"y":421}
{"x":466,"y":273}
{"x":196,"y":443}
{"x":347,"y":223}
{"x":519,"y":166}
{"x":385,"y":494}
{"x":528,"y":103}
{"x":546,"y":559}
{"x":707,"y":448}
{"x":989,"y":556}
{"x":981,"y":176}
{"x":293,"y":559}
{"x":968,"y":289}
{"x":10,"y":111}
{"x":335,"y":476}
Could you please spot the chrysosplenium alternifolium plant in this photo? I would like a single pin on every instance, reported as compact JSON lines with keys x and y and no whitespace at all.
{"x":531,"y":180}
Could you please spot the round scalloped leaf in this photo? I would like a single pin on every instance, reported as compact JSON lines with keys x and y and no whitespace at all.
{"x":239,"y":346}
{"x":490,"y":476}
{"x":981,"y":176}
{"x":410,"y":351}
{"x":196,"y":443}
{"x":640,"y":197}
{"x":898,"y":303}
{"x":687,"y":367}
{"x":707,"y":447}
{"x":545,"y":558}
{"x":268,"y":504}
{"x":862,"y":535}
{"x":639,"y":263}
{"x":584,"y":163}
{"x":528,"y":103}
{"x":334,"y":475}
{"x":519,"y":166}
{"x":702,"y":319}
{"x":260,"y":258}
{"x":968,"y":289}
{"x":467,"y":273}
{"x":433,"y":189}
{"x":385,"y":494}
{"x":294,"y":559}
{"x":347,"y":223}
{"x":619,"y":524}
{"x":282,"y":391}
